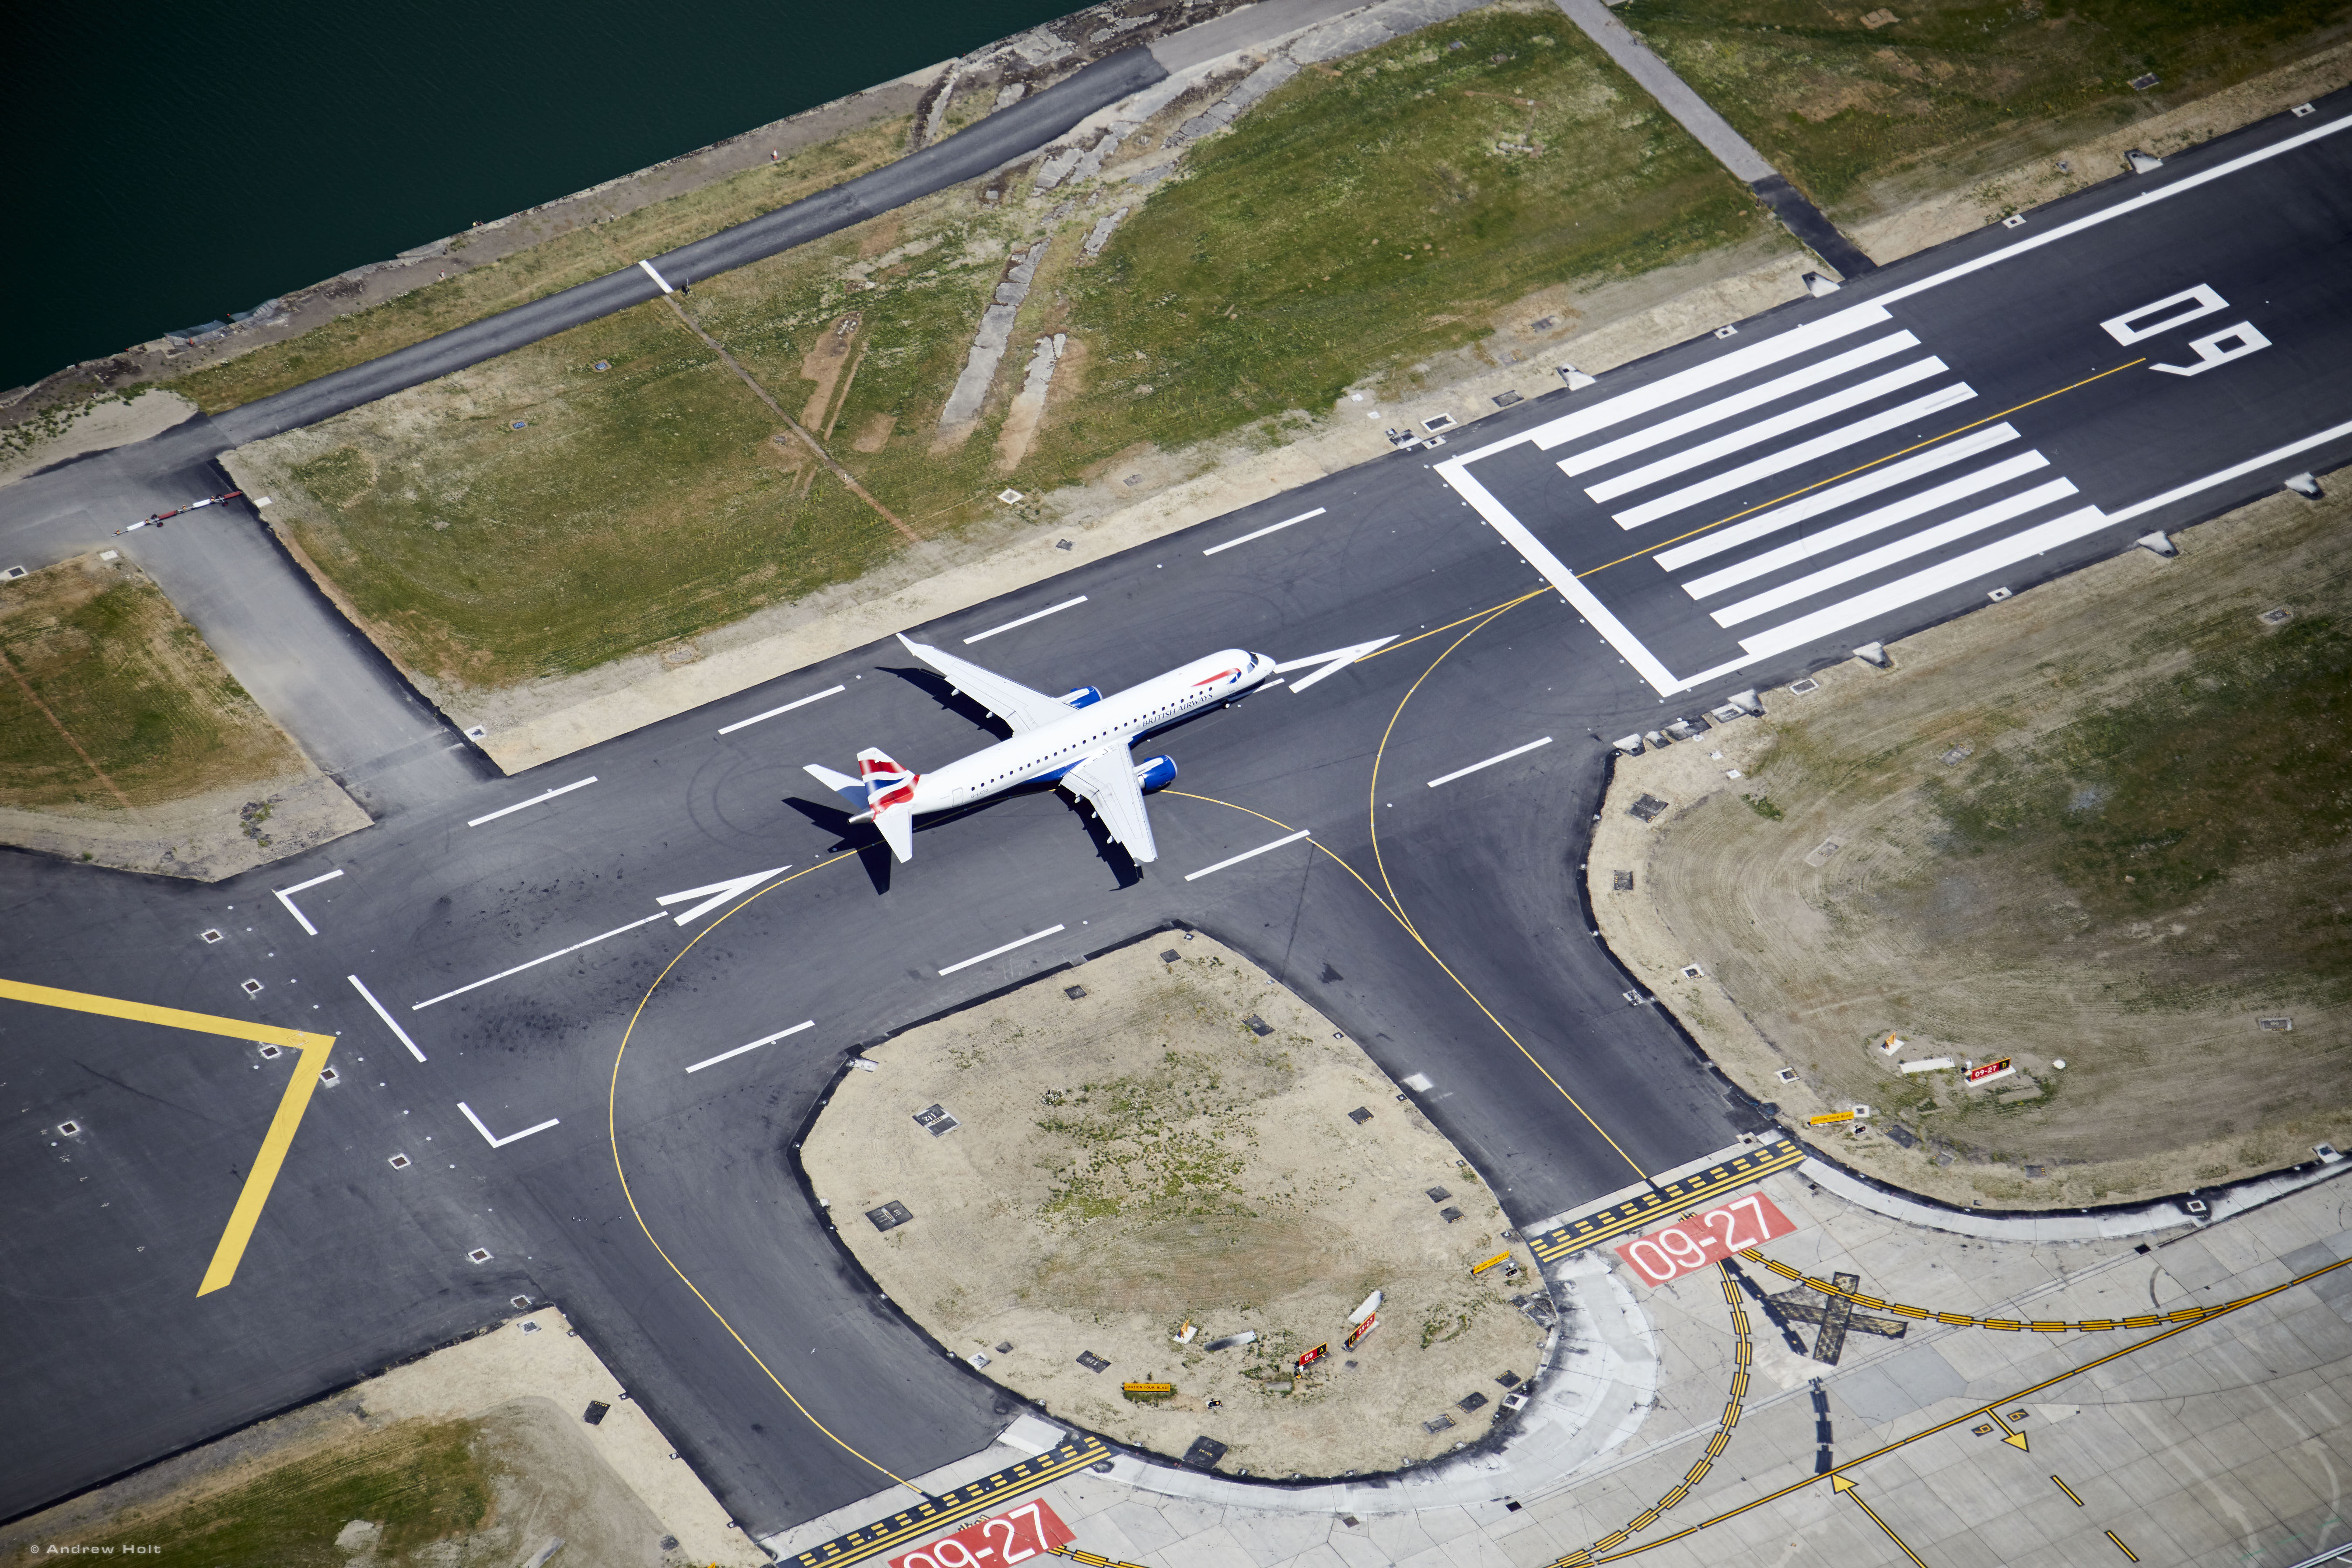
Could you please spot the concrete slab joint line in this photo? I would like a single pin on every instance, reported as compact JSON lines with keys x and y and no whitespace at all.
{"x":1714,"y":133}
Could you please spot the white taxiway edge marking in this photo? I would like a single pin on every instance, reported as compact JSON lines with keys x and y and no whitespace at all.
{"x":994,"y":951}
{"x":1250,"y":854}
{"x":389,"y":1021}
{"x":534,"y":963}
{"x":1035,"y":616}
{"x":496,"y":1142}
{"x":1490,"y":761}
{"x":534,"y":800}
{"x":754,"y":719}
{"x":716,"y":893}
{"x":665,"y":288}
{"x":1333,"y":662}
{"x":1260,"y":533}
{"x":755,"y":1045}
{"x":285,"y":896}
{"x":2235,"y":472}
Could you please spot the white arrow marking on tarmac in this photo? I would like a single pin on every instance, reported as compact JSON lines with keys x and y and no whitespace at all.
{"x":716,"y":894}
{"x":1338,"y":659}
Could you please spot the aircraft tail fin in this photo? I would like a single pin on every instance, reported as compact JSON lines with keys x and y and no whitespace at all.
{"x":890,"y":800}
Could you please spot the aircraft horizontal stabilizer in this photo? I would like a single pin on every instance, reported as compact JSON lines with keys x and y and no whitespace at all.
{"x":850,"y":789}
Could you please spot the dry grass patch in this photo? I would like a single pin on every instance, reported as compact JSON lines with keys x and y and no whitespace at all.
{"x":1140,"y":1158}
{"x":2104,"y":823}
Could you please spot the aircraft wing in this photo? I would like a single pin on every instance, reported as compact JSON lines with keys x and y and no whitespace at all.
{"x":1010,"y":700}
{"x":1107,"y":782}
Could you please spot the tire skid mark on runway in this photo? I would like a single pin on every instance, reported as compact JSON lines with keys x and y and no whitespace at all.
{"x":612,"y":1135}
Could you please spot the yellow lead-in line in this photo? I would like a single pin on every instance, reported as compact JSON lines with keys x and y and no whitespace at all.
{"x":282,"y":1126}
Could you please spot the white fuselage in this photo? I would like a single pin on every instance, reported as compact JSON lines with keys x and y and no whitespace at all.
{"x":1050,"y":749}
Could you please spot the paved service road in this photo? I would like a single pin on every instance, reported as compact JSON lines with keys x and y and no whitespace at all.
{"x":1441,"y":925}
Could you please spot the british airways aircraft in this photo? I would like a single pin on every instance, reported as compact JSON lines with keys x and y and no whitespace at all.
{"x":1078,"y":741}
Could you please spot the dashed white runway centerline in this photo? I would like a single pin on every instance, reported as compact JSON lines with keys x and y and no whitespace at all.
{"x":772,"y":712}
{"x":1490,"y":761}
{"x":534,"y":800}
{"x":1249,"y":855}
{"x":755,"y":1045}
{"x":1000,"y":952}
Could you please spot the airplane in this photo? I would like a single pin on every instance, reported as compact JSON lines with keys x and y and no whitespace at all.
{"x":1078,"y":741}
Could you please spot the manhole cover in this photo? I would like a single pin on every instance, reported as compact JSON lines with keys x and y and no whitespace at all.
{"x":1204,"y":1453}
{"x":211,"y":935}
{"x":2277,"y":1026}
{"x":1508,"y":1379}
{"x":1470,"y":1402}
{"x":1258,"y":1025}
{"x":1092,"y":1361}
{"x":1074,"y":992}
{"x":890,"y":1215}
{"x":1170,"y":955}
{"x":1438,"y":1194}
{"x":1449,"y":1214}
{"x":1649,"y":808}
{"x":595,"y":1413}
{"x":1359,"y":1115}
{"x":1440,"y":1425}
{"x":1621,"y":881}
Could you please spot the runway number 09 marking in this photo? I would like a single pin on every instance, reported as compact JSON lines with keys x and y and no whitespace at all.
{"x":1030,"y":1530}
{"x":1705,"y":1241}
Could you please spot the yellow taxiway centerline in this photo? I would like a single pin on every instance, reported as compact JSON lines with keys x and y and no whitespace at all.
{"x":282,"y":1126}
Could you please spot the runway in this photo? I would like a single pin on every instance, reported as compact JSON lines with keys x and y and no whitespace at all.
{"x":602,"y":1091}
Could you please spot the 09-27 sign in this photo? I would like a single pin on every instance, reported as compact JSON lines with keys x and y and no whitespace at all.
{"x":1030,"y":1530}
{"x":1705,"y":1239}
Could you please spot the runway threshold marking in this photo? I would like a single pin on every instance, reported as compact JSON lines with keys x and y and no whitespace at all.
{"x":389,"y":1021}
{"x":1260,"y":533}
{"x":770,"y":713}
{"x":1249,"y":855}
{"x":755,"y":1045}
{"x":872,"y":1540}
{"x":535,"y":962}
{"x":255,"y":1194}
{"x":999,"y":952}
{"x":285,"y":896}
{"x":1490,"y":761}
{"x":534,"y":800}
{"x":1025,"y":620}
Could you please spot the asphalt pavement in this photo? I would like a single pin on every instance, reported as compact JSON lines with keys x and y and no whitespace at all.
{"x":1436,"y":919}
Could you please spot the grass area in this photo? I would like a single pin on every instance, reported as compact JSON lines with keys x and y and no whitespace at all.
{"x":1956,"y":88}
{"x":2103,"y":825}
{"x":554,"y":264}
{"x":647,"y":503}
{"x":109,"y":699}
{"x":422,"y":1482}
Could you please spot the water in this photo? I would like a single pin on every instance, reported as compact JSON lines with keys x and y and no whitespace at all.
{"x":169,"y":163}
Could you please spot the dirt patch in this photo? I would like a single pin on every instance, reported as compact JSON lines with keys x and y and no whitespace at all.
{"x":1141,"y":1158}
{"x":2097,"y":825}
{"x":123,"y":741}
{"x":475,"y":1456}
{"x":51,"y":433}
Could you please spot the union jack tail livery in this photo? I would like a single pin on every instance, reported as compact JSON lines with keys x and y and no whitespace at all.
{"x":890,"y":800}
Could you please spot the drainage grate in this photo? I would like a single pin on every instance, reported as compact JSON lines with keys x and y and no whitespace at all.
{"x":1449,"y":1214}
{"x":520,"y":1303}
{"x":1804,"y":687}
{"x":1470,"y":1402}
{"x":1787,"y":1075}
{"x":1010,"y":498}
{"x":1361,"y":1115}
{"x":1504,"y":399}
{"x":1508,"y":1379}
{"x":1438,"y":1194}
{"x":1727,"y":331}
{"x":1170,"y":955}
{"x":595,"y":1413}
{"x":210,"y":935}
{"x":330,"y":1077}
{"x":2014,"y":220}
{"x":529,"y":1328}
{"x":271,"y":1053}
{"x":398,"y":1162}
{"x":252,"y":988}
{"x":1997,"y":594}
{"x":1957,"y":755}
{"x":1649,"y":808}
{"x":1440,"y":1425}
{"x":1074,"y":992}
{"x":890,"y":1215}
{"x":1204,"y":1453}
{"x":1902,"y":1135}
{"x":1257,"y":1026}
{"x":1621,"y":881}
{"x":68,"y":1129}
{"x":2276,"y":1025}
{"x":1692,"y":972}
{"x":1092,"y":1361}
{"x":480,"y":1254}
{"x":2142,"y":83}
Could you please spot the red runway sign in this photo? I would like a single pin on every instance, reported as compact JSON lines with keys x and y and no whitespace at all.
{"x":1030,"y":1530}
{"x":1705,"y":1239}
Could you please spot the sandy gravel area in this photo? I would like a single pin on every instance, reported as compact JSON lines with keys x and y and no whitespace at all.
{"x":1138,"y":1159}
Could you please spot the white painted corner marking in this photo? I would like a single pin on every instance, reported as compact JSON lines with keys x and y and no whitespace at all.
{"x":493,"y":1139}
{"x":285,"y":896}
